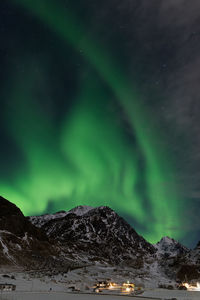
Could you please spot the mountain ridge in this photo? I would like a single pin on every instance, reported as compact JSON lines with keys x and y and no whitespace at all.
{"x":85,"y":235}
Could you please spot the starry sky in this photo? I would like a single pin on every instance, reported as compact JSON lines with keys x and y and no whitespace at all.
{"x":100,"y":106}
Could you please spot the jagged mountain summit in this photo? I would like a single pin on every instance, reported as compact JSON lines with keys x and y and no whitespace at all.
{"x":169,"y":247}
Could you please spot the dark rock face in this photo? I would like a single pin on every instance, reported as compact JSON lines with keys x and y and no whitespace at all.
{"x":8,"y":209}
{"x":13,"y":220}
{"x":100,"y":233}
{"x":21,"y":243}
{"x":198,"y":245}
{"x":188,"y":273}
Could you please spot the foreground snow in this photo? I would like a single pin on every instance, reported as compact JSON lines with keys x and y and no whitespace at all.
{"x":82,"y":278}
{"x":153,"y":295}
{"x":49,"y":285}
{"x":167,"y":294}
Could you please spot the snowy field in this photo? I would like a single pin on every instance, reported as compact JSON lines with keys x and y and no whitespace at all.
{"x":167,"y":294}
{"x":63,"y":296}
{"x":35,"y":285}
{"x":153,"y":295}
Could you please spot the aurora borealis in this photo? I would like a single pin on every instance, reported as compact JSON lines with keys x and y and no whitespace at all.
{"x":81,"y":117}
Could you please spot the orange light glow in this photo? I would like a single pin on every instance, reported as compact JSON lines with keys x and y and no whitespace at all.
{"x":191,"y":287}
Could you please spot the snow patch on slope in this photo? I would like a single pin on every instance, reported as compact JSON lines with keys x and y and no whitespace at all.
{"x":39,"y":221}
{"x":5,"y":249}
{"x":81,"y":210}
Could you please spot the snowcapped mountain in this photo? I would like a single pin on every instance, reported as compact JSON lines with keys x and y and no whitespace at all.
{"x":169,"y":247}
{"x":90,"y":230}
{"x":87,"y":235}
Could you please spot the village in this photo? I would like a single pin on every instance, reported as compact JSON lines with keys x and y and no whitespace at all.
{"x":103,"y":287}
{"x":125,"y":288}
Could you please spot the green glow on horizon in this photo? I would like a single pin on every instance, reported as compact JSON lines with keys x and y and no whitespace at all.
{"x":82,"y":164}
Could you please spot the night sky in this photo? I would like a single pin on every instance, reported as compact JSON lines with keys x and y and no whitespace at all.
{"x":100,"y":105}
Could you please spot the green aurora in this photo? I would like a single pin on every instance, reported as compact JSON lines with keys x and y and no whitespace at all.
{"x":90,"y":159}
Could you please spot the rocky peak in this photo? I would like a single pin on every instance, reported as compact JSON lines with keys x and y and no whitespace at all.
{"x":170,"y":247}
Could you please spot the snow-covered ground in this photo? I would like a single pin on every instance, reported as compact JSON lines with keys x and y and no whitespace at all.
{"x":153,"y":295}
{"x":62,"y":296}
{"x":167,"y":294}
{"x":53,"y":285}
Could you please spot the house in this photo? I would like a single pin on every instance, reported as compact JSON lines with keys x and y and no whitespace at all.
{"x":7,"y":287}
